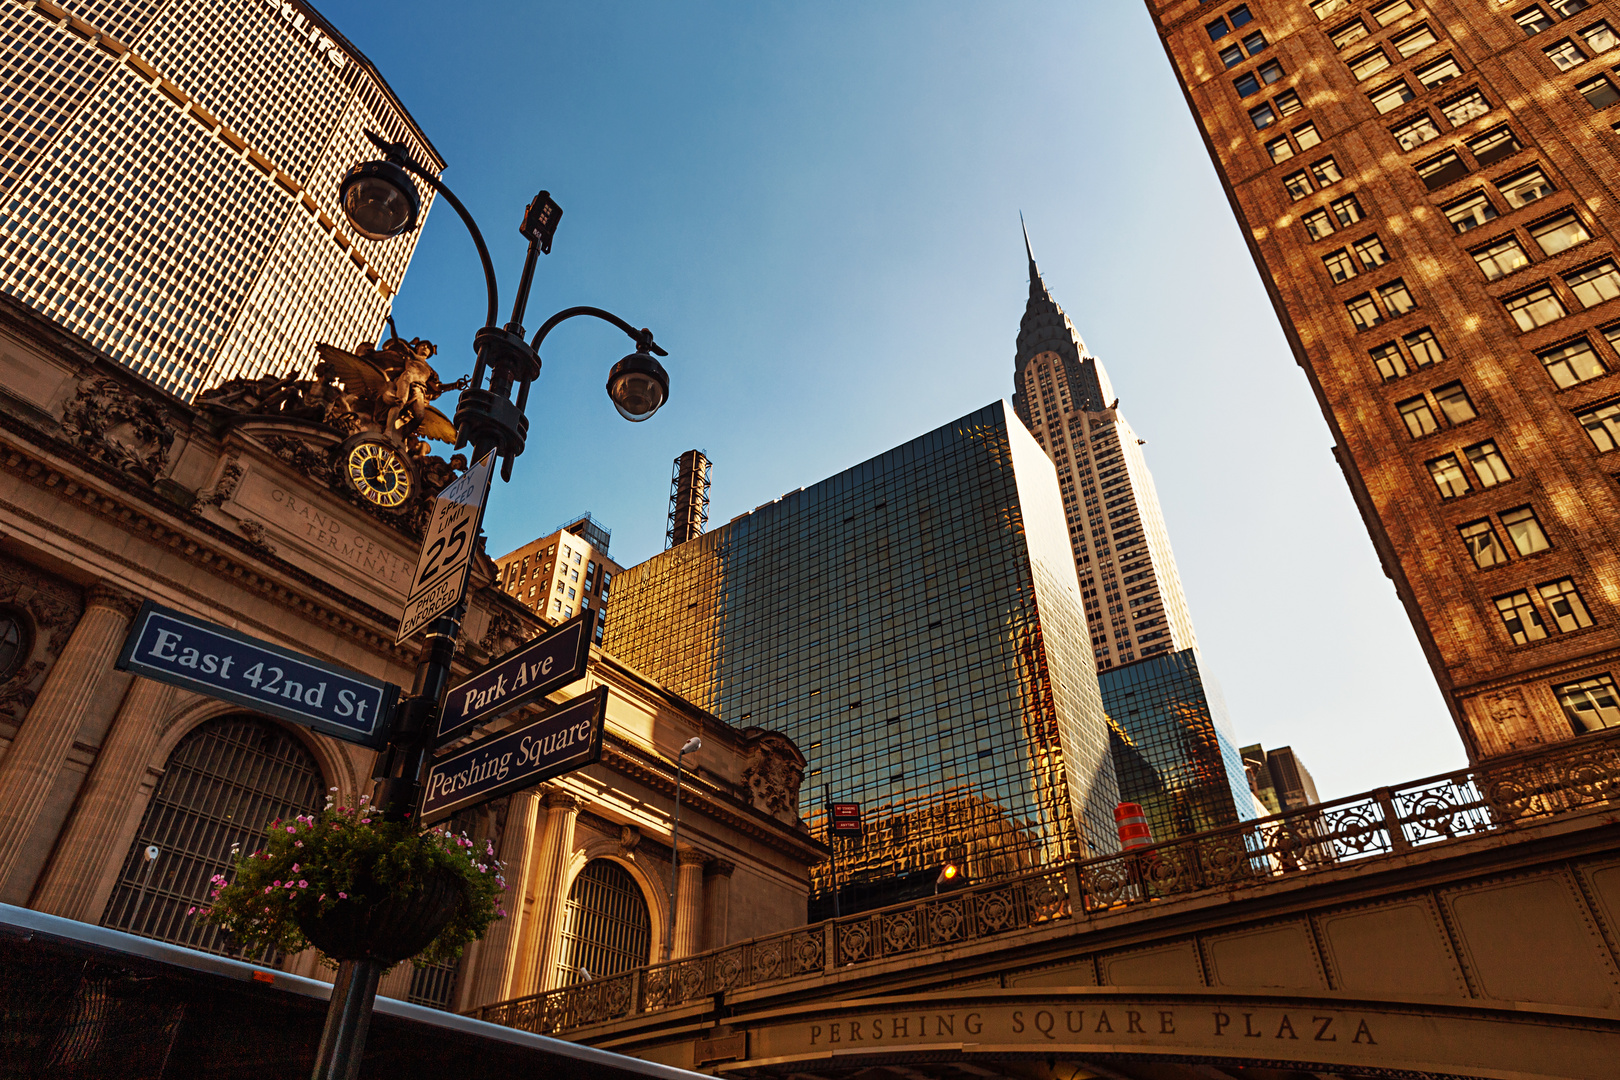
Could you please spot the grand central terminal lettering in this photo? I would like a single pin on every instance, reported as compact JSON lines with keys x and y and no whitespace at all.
{"x":324,"y":531}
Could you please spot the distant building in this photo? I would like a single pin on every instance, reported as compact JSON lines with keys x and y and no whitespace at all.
{"x":169,"y":183}
{"x":563,"y":572}
{"x":1427,"y":191}
{"x":914,"y":625}
{"x":1279,"y":779}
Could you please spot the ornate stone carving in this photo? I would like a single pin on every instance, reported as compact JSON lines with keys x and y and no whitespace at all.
{"x":224,"y":487}
{"x":556,"y":798}
{"x":53,"y":607}
{"x":255,"y":534}
{"x":629,"y":837}
{"x":313,"y":463}
{"x":775,"y":771}
{"x":505,"y":633}
{"x":102,"y":594}
{"x":130,"y":433}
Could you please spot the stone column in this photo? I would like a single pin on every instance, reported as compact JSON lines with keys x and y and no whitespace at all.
{"x":689,"y":906}
{"x":497,"y":960}
{"x":93,"y":831}
{"x":717,"y":903}
{"x":537,"y":947}
{"x":30,"y":767}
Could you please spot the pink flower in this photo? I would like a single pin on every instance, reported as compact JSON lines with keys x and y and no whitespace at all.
{"x":303,"y":884}
{"x":323,"y":896}
{"x":191,"y":911}
{"x":343,"y":896}
{"x":277,"y":884}
{"x":295,"y":868}
{"x":291,"y":828}
{"x":267,"y":889}
{"x":298,"y":843}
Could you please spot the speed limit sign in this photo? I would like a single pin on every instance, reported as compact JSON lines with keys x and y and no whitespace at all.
{"x":440,"y":580}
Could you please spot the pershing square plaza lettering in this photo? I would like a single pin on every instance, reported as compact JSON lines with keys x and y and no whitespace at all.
{"x":559,"y":742}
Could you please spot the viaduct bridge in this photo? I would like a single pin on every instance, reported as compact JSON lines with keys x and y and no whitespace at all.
{"x":1466,"y":925}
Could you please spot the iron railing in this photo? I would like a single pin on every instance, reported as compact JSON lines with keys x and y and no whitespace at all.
{"x":1496,"y":797}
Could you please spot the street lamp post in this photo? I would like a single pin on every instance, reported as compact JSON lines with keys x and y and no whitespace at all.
{"x":381,"y":201}
{"x":692,"y":746}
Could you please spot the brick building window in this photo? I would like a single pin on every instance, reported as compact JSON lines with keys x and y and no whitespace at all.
{"x":1370,"y":250}
{"x":1483,"y":545}
{"x":1524,"y":529}
{"x":1524,"y":188}
{"x":1326,"y":172}
{"x":1425,"y":347}
{"x":1262,"y":116}
{"x":1590,"y":704}
{"x":1340,"y":266}
{"x":1368,"y":64}
{"x":1306,"y":136}
{"x":1363,"y":312}
{"x":1438,"y":73}
{"x":1455,"y":405}
{"x":1449,"y":477}
{"x":1347,"y":35}
{"x":1388,"y":360}
{"x":1391,"y":97}
{"x":1439,"y":171}
{"x":1413,"y":41}
{"x":1520,"y":618}
{"x":1599,"y":92}
{"x":1564,"y":601}
{"x":1494,"y":145}
{"x":1565,"y":54}
{"x":1318,"y":224}
{"x":1280,"y":149}
{"x":1559,"y":233}
{"x":1602,"y":426}
{"x":1298,"y":185}
{"x":1469,"y":212}
{"x":1533,"y":21}
{"x":1566,"y":8}
{"x":1419,"y":417}
{"x":1232,"y":56}
{"x":1595,"y":284}
{"x":1538,"y":307}
{"x":1387,"y":13}
{"x":1464,"y":107}
{"x":1397,"y":298}
{"x":1326,"y":9}
{"x":1600,"y":37}
{"x":1488,"y":463}
{"x":1347,"y":211}
{"x":1415,"y":132}
{"x":1501,"y":257}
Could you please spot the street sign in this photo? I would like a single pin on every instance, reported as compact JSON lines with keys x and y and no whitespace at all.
{"x":846,"y":818}
{"x":440,"y":580}
{"x":171,"y":647}
{"x":560,"y":741}
{"x":527,"y":673}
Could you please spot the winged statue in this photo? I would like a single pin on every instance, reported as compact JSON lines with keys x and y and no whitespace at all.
{"x":391,"y":386}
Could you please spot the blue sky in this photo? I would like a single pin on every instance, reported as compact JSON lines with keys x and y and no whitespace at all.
{"x":815,"y":207}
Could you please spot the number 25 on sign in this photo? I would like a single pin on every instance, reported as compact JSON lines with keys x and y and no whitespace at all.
{"x":440,"y":580}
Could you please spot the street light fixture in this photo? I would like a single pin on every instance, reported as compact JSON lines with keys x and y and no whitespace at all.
{"x":381,"y":201}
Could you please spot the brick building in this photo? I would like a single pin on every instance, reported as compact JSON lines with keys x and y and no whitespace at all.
{"x":1428,"y":190}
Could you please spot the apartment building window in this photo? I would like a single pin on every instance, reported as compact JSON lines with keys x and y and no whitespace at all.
{"x":1566,"y":8}
{"x":1368,"y":64}
{"x":1564,"y":55}
{"x":1388,"y":360}
{"x":1488,"y":463}
{"x":1520,"y":618}
{"x":1389,"y":98}
{"x":1572,"y":364}
{"x":1347,"y":35}
{"x":1415,"y":132}
{"x":1287,"y":103}
{"x":1326,"y":9}
{"x":1418,"y":416}
{"x":1297,"y":185}
{"x":1522,"y":189}
{"x":1217,"y":29}
{"x":1262,"y":116}
{"x":1387,"y":13}
{"x":1437,"y":172}
{"x":1595,"y":284}
{"x":1280,"y":149}
{"x":1602,"y":425}
{"x":1397,"y":299}
{"x":1232,"y":56}
{"x":1494,"y":145}
{"x":1559,"y":234}
{"x":1340,"y":266}
{"x":1240,"y":16}
{"x":1591,"y":704}
{"x":1538,"y":307}
{"x":1346,"y":211}
{"x":1255,"y":42}
{"x":1463,"y":108}
{"x":1326,"y":172}
{"x":1469,"y":212}
{"x":1253,"y":81}
{"x":1363,"y":312}
{"x":1306,"y":136}
{"x":1600,"y":37}
{"x":1370,"y":250}
{"x":1317,"y":224}
{"x":1455,"y":404}
{"x":1500,"y":257}
{"x":1413,"y":41}
{"x":1483,"y":545}
{"x":1425,"y":347}
{"x":1524,"y":529}
{"x":1599,"y":92}
{"x":1564,"y":601}
{"x":1533,"y":21}
{"x":1441,"y":71}
{"x":1449,"y":477}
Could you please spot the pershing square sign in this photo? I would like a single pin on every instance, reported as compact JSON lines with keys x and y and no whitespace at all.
{"x":561,"y":741}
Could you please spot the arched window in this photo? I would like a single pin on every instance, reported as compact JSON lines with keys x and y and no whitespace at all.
{"x":15,"y":642}
{"x":222,"y":785}
{"x":606,"y":928}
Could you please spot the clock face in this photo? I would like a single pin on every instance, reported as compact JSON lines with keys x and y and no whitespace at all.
{"x":379,"y":474}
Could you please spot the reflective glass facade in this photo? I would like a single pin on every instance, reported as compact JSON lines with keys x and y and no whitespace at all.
{"x":914,"y":625}
{"x":1174,"y":751}
{"x":168,"y":182}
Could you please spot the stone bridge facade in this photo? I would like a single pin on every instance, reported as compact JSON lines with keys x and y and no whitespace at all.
{"x":1463,"y":925}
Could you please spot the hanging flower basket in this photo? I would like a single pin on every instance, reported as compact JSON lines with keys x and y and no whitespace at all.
{"x":358,"y":887}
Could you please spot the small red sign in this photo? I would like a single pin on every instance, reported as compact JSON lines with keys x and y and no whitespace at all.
{"x":846,"y":818}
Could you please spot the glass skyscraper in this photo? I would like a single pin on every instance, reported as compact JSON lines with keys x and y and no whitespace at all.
{"x":1174,"y":749}
{"x":169,"y":182}
{"x":915,"y":625}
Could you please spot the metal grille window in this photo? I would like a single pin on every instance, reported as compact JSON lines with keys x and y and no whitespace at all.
{"x":1483,"y":545}
{"x":1520,"y":618}
{"x":1565,"y":603}
{"x":1524,"y":529}
{"x":1591,"y":704}
{"x":1595,"y":284}
{"x":433,"y":986}
{"x":606,"y":928}
{"x":222,"y":785}
{"x":1501,"y":258}
{"x":1603,"y":426}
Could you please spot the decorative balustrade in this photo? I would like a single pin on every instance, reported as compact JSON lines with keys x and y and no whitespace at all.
{"x":1501,"y":795}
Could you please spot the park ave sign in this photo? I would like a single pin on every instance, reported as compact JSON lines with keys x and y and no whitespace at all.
{"x":527,"y":673}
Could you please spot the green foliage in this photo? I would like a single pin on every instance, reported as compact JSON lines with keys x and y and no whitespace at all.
{"x":312,"y":863}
